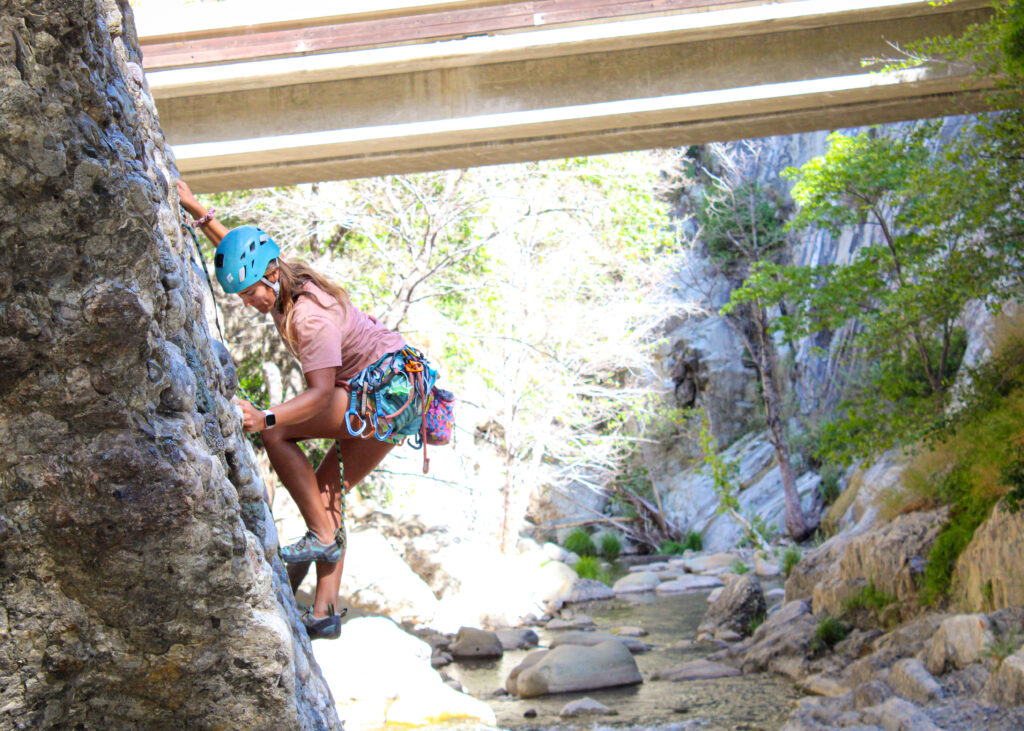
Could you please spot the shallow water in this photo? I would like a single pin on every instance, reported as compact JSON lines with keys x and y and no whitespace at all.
{"x":745,"y":702}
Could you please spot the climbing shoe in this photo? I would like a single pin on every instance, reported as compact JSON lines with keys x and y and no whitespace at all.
{"x":323,"y":628}
{"x":309,"y":548}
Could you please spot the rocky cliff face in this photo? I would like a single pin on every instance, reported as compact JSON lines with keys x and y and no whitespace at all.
{"x":135,"y":582}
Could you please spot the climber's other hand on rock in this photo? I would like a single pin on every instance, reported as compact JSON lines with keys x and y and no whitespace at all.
{"x":252,"y":418}
{"x":188,"y":200}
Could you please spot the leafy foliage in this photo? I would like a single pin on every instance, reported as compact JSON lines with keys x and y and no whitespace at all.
{"x":790,"y":558}
{"x":869,"y":597}
{"x":589,"y":567}
{"x":829,"y":633}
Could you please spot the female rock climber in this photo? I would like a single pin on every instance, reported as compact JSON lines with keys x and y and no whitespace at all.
{"x":336,"y":344}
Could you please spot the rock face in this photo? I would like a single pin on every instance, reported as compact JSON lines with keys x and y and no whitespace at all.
{"x":890,"y":556}
{"x":988,"y":574}
{"x":472,"y":643}
{"x":138,"y":584}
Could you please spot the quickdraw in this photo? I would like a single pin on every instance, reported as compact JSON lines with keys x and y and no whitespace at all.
{"x":374,"y":408}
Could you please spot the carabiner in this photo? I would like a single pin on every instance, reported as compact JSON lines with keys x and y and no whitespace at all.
{"x":349,"y":415}
{"x":385,"y":435}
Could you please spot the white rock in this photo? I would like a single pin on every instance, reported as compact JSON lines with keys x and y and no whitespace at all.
{"x":712,"y":562}
{"x":641,"y":581}
{"x":657,"y":566}
{"x":897,"y":714}
{"x":910,"y":679}
{"x":377,"y":580}
{"x":715,"y":593}
{"x":525,"y":545}
{"x":392,"y":682}
{"x":585,"y":707}
{"x":555,"y":552}
{"x":765,"y":568}
{"x":585,"y":590}
{"x":688,"y":583}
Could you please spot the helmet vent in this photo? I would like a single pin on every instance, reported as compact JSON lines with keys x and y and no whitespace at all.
{"x":218,"y":261}
{"x":252,"y":246}
{"x":241,"y":274}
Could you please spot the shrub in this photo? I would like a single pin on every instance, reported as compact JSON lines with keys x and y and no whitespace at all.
{"x":611,"y":546}
{"x":790,"y":558}
{"x":738,"y":567}
{"x":589,"y":567}
{"x":829,"y":632}
{"x":828,"y":488}
{"x":694,"y":541}
{"x":580,"y":543}
{"x":671,"y":547}
{"x":870,"y":597}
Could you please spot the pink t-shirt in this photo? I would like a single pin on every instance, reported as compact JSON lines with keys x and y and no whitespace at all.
{"x":328,"y":337}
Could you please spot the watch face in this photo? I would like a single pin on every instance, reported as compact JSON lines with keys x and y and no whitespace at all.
{"x":269,"y":419}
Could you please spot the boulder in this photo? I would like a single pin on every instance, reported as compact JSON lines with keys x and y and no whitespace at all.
{"x":655,"y":567}
{"x":555,"y":552}
{"x":573,"y":668}
{"x":696,"y":670}
{"x":638,"y":582}
{"x":961,"y":640}
{"x":715,"y":563}
{"x":821,"y":684}
{"x":629,"y":631}
{"x":586,"y":590}
{"x":391,"y":680}
{"x":911,"y":680}
{"x":688,"y":583}
{"x":740,"y":606}
{"x":897,"y":714}
{"x":553,"y":581}
{"x":517,"y":639}
{"x":591,"y":639}
{"x":474,"y":643}
{"x":786,"y":632}
{"x":377,"y":580}
{"x":1006,"y":685}
{"x":585,"y":707}
{"x":580,"y":621}
{"x":765,"y":568}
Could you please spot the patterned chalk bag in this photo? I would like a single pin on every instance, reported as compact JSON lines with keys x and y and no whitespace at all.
{"x":439,"y":419}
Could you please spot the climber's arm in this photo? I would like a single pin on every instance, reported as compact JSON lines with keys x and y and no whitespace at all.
{"x":301,"y":408}
{"x":214,"y":229}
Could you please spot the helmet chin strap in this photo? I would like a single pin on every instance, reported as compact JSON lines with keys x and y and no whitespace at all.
{"x":276,"y":286}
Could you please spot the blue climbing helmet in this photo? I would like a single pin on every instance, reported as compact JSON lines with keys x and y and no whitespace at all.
{"x":242,"y":258}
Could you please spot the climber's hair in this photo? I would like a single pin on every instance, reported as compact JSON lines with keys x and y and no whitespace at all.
{"x":292,"y":278}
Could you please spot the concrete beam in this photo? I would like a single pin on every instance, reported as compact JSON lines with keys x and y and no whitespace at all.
{"x":611,"y":86}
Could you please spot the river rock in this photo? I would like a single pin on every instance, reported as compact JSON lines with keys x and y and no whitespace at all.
{"x":960,"y":641}
{"x":821,"y":684}
{"x":1006,"y":685}
{"x":382,"y":675}
{"x":629,"y":631}
{"x":553,"y":581}
{"x":715,"y":563}
{"x":910,"y":679}
{"x":579,"y":621}
{"x":687,"y":583}
{"x":740,"y":606}
{"x":696,"y":670}
{"x":655,"y":567}
{"x":587,"y":590}
{"x":590,"y":639}
{"x":573,"y":668}
{"x":517,"y":639}
{"x":638,"y":582}
{"x":473,"y":643}
{"x":555,"y":552}
{"x":585,"y":707}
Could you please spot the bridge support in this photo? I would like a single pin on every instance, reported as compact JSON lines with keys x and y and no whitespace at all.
{"x":676,"y":78}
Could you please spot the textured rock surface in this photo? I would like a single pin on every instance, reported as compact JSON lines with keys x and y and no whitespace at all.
{"x":988,"y":573}
{"x":471,"y":642}
{"x":134,"y":539}
{"x":573,"y":667}
{"x":960,"y":641}
{"x":590,"y":639}
{"x":740,"y":605}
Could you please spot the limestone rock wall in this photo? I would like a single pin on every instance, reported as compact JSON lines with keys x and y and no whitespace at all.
{"x":135,"y":587}
{"x":989,"y":574}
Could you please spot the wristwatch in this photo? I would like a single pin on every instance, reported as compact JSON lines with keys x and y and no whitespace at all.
{"x":269,"y":419}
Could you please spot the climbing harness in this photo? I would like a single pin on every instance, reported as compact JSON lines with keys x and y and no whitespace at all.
{"x":396,"y":398}
{"x":184,"y":216}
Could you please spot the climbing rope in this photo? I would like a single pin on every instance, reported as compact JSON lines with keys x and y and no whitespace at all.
{"x":184,"y":218}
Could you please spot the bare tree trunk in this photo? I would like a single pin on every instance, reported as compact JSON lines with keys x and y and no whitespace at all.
{"x":797,"y":525}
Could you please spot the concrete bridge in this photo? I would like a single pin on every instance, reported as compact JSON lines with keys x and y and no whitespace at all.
{"x":251,"y":95}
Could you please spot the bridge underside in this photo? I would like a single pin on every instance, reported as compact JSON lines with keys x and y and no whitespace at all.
{"x":676,"y":77}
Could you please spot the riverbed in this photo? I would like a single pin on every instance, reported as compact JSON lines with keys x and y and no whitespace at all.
{"x":749,"y":702}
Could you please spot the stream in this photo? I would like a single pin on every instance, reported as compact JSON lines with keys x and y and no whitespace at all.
{"x":749,"y":702}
